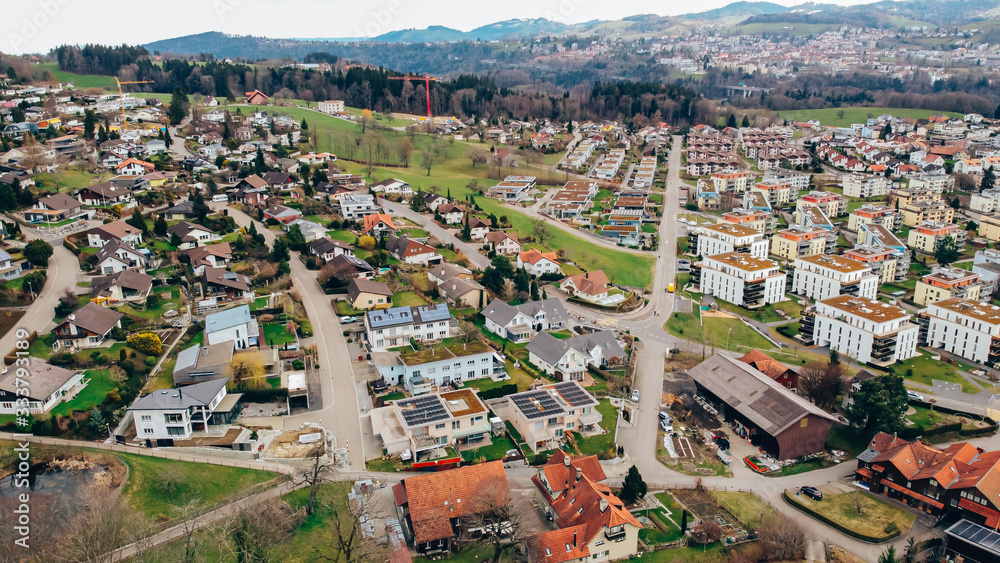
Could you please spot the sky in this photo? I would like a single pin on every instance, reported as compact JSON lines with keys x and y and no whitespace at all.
{"x":36,"y":26}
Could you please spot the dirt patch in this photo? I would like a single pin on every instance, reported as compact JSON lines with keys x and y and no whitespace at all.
{"x":704,"y":506}
{"x":287,"y":445}
{"x":226,"y":439}
{"x":718,"y":314}
{"x":841,"y":555}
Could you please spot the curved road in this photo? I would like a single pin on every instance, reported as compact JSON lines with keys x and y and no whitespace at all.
{"x":440,"y":233}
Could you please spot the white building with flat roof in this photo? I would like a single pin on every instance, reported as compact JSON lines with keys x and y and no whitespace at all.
{"x":866,"y":185}
{"x":863,"y":329}
{"x":821,"y":276}
{"x":729,"y":237}
{"x":739,"y":278}
{"x":963,"y":327}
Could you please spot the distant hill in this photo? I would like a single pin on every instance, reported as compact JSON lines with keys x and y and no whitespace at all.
{"x":508,"y":29}
{"x":738,"y":9}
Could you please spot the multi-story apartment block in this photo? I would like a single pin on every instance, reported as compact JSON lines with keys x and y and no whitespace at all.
{"x":800,"y":240}
{"x":869,"y":214}
{"x":963,"y":327}
{"x":796,"y":180}
{"x":927,"y":236}
{"x":426,"y":423}
{"x":739,"y":278}
{"x":732,"y":181}
{"x":946,"y":283}
{"x":433,"y":367}
{"x":393,"y":327}
{"x":936,"y":182}
{"x":985,"y":202}
{"x":544,"y":415}
{"x":868,"y":331}
{"x":727,"y":237}
{"x":989,"y":227}
{"x":866,"y":186}
{"x":830,"y":203}
{"x":752,"y":218}
{"x":880,"y":259}
{"x":778,"y":193}
{"x":822,"y":276}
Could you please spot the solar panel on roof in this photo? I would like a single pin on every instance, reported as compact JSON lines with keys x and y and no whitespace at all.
{"x":977,"y":535}
{"x":537,"y":404}
{"x":422,"y":410}
{"x":572,"y":393}
{"x":439,"y":312}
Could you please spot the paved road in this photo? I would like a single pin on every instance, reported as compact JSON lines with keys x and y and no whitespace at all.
{"x":442,"y":234}
{"x":339,"y":395}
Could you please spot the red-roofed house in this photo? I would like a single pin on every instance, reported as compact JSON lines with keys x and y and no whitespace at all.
{"x":133,"y":167}
{"x":377,"y":224}
{"x":538,"y":263}
{"x":772,"y":368}
{"x":256,"y":97}
{"x":589,"y":286}
{"x":435,"y":508}
{"x":593,"y":523}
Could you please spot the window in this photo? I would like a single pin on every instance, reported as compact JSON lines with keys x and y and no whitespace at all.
{"x":470,"y":362}
{"x":146,"y":418}
{"x":172,"y":417}
{"x":175,"y":431}
{"x":570,"y":425}
{"x":439,"y":426}
{"x":456,"y":424}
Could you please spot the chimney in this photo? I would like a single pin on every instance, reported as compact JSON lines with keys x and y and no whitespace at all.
{"x":566,"y":460}
{"x":604,"y":505}
{"x":574,"y":539}
{"x":579,"y":474}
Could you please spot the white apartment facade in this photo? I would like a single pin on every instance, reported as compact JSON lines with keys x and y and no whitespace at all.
{"x":963,"y":327}
{"x":739,"y":278}
{"x":866,"y":330}
{"x":729,"y":237}
{"x":866,"y":186}
{"x":822,"y":276}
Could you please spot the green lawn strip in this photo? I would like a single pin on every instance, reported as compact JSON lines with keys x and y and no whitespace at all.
{"x":708,"y":554}
{"x":767,"y":314}
{"x":474,"y":553}
{"x":495,"y":450}
{"x":830,"y":117}
{"x":344,"y":309}
{"x":747,"y":507}
{"x":803,"y":467}
{"x":602,"y":443}
{"x":210,"y":484}
{"x":276,"y":335}
{"x":90,"y":396}
{"x":259,"y":303}
{"x":673,"y":509}
{"x":875,"y":514}
{"x":407,"y":299}
{"x":925,"y":370}
{"x":342,"y":236}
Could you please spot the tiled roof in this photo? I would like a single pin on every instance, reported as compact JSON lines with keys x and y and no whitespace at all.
{"x":436,"y":498}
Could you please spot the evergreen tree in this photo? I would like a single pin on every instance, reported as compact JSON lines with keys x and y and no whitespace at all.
{"x":304,"y":125}
{"x":746,"y":122}
{"x":175,"y":240}
{"x":160,"y":226}
{"x":731,"y":121}
{"x":633,"y":487}
{"x":89,"y":123}
{"x":280,"y":251}
{"x":179,"y":106}
{"x":534,"y":290}
{"x":200,"y":208}
{"x":137,"y":220}
{"x":989,"y":180}
{"x":879,"y":405}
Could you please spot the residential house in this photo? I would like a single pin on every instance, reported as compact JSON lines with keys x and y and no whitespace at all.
{"x":927,"y":236}
{"x":522,"y":322}
{"x":378,"y":224}
{"x":116,"y":256}
{"x":48,"y":386}
{"x":503,"y":242}
{"x":802,"y":240}
{"x":105,"y":194}
{"x":962,"y":327}
{"x":225,"y":285}
{"x":545,"y":414}
{"x":777,"y":371}
{"x":727,"y":237}
{"x":180,"y":212}
{"x":433,"y":200}
{"x":346,"y":267}
{"x":478,"y":229}
{"x":431,"y":421}
{"x":256,"y":98}
{"x":175,"y":414}
{"x":537,"y":263}
{"x":282,"y":214}
{"x":433,"y":367}
{"x":779,"y":423}
{"x":512,"y":188}
{"x":946,"y":282}
{"x":198,"y":363}
{"x":393,"y":186}
{"x":279,"y":181}
{"x":192,"y":235}
{"x":393,"y":327}
{"x":331,"y":106}
{"x":364,"y":294}
{"x":310,"y":230}
{"x":589,"y":286}
{"x":217,"y":256}
{"x":124,"y":286}
{"x":118,"y":231}
{"x":462,"y":292}
{"x":411,"y":251}
{"x":8,"y":270}
{"x":445,"y":271}
{"x":134,"y":167}
{"x":821,"y":276}
{"x":326,"y":249}
{"x":356,"y":206}
{"x":234,"y":325}
{"x":450,"y":213}
{"x":567,"y":359}
{"x":55,"y":208}
{"x":87,"y":327}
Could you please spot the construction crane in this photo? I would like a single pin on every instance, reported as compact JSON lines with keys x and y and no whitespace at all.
{"x":121,"y":97}
{"x":427,"y":81}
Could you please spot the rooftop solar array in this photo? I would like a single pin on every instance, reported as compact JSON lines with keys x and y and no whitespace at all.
{"x":422,"y":410}
{"x":976,"y":535}
{"x":573,"y":394}
{"x":432,"y":313}
{"x":406,"y":315}
{"x":537,"y":404}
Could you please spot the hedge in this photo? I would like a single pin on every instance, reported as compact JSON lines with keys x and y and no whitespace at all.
{"x":497,"y":392}
{"x":836,"y":526}
{"x":71,"y":247}
{"x":264,"y":395}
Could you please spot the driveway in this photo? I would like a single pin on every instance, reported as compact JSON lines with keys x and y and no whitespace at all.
{"x":480,"y":261}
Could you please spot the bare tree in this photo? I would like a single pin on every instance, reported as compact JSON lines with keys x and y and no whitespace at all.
{"x":476,"y":155}
{"x":707,"y":532}
{"x":314,"y":476}
{"x":781,"y":539}
{"x":427,"y":160}
{"x":821,"y":381}
{"x":503,"y":530}
{"x":247,"y":370}
{"x":107,"y":523}
{"x":540,"y":231}
{"x":186,"y":513}
{"x":858,"y":502}
{"x":348,"y":541}
{"x":259,"y":529}
{"x":467,"y":332}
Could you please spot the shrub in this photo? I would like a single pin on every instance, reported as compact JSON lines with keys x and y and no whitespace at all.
{"x":298,"y":364}
{"x":147,"y":343}
{"x":305,"y":329}
{"x":150,"y":361}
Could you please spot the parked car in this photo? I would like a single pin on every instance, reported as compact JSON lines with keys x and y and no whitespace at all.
{"x":721,"y":441}
{"x":665,"y":426}
{"x":812,"y":492}
{"x":915,"y":396}
{"x":348,"y":320}
{"x":635,"y":395}
{"x":664,"y":416}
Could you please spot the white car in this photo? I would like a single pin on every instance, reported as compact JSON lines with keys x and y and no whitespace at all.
{"x":635,"y":395}
{"x":665,"y":426}
{"x":915,"y":396}
{"x":348,"y":320}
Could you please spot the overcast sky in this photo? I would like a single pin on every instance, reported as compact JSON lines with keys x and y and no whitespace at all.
{"x":32,"y":26}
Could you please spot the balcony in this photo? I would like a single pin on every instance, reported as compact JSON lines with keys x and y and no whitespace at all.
{"x":612,"y":535}
{"x":852,"y":288}
{"x":923,"y":322}
{"x":808,"y":325}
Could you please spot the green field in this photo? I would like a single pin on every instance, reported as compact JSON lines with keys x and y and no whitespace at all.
{"x":81,"y":81}
{"x":92,"y":395}
{"x":717,"y":332}
{"x":925,"y":370}
{"x":829,"y":117}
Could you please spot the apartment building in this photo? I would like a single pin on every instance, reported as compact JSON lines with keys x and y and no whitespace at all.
{"x":751,"y":218}
{"x":809,"y":215}
{"x":428,"y":422}
{"x":356,"y":206}
{"x":882,"y":261}
{"x":946,"y":283}
{"x":434,"y":367}
{"x":645,"y":173}
{"x":963,"y":327}
{"x":740,"y":278}
{"x":830,"y":203}
{"x":866,"y":186}
{"x":985,"y":202}
{"x":989,"y":227}
{"x":866,"y":330}
{"x":822,"y":276}
{"x":935,"y":182}
{"x":543,"y":416}
{"x":870,"y":214}
{"x":924,"y":206}
{"x":801,"y":240}
{"x":728,"y":237}
{"x":736,"y":182}
{"x":389,"y":328}
{"x":927,"y":236}
{"x":796,"y":180}
{"x":778,"y":193}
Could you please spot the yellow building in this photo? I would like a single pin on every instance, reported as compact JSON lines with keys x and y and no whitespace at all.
{"x":799,"y":241}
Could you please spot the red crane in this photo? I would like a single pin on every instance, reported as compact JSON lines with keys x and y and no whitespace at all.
{"x":427,"y":80}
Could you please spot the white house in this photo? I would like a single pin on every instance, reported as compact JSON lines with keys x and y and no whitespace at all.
{"x":963,"y":327}
{"x":522,"y":322}
{"x":174,"y":414}
{"x":729,"y":237}
{"x":355,"y":206}
{"x":740,"y":278}
{"x":389,"y":328}
{"x":503,"y":243}
{"x":116,"y":256}
{"x":42,"y":384}
{"x":868,"y":331}
{"x":234,"y":325}
{"x":87,"y":327}
{"x":117,"y":231}
{"x":423,"y":371}
{"x":192,"y":235}
{"x":331,"y":106}
{"x":537,"y":263}
{"x":821,"y":276}
{"x":567,"y":359}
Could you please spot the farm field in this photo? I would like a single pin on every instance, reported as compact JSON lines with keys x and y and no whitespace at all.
{"x":829,"y":116}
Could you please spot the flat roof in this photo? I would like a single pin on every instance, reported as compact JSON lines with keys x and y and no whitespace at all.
{"x":981,"y":311}
{"x":976,"y":535}
{"x":462,"y":402}
{"x":438,"y":353}
{"x":744,"y":261}
{"x":834,"y":262}
{"x":734,"y":230}
{"x":950,"y":275}
{"x":872,"y":310}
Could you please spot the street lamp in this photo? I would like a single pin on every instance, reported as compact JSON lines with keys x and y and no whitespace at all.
{"x":727,"y":337}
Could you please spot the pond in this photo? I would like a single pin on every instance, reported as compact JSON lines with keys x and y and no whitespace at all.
{"x":61,"y":484}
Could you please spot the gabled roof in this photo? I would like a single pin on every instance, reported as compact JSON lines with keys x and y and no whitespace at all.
{"x":126,"y":279}
{"x":534,"y":256}
{"x":116,"y":230}
{"x":228,"y":318}
{"x":279,"y":210}
{"x":225,"y":278}
{"x":496,"y":237}
{"x":198,"y":254}
{"x":403,"y":247}
{"x":590,"y":283}
{"x":502,"y":314}
{"x":184,"y":207}
{"x":197,"y":395}
{"x":327,"y":245}
{"x":112,"y":247}
{"x":434,"y":499}
{"x":764,"y":363}
{"x":184,"y":229}
{"x":358,"y":286}
{"x":59,"y":202}
{"x":94,"y":318}
{"x":456,"y":288}
{"x":45,"y":379}
{"x":373,"y":220}
{"x":345,"y":263}
{"x":255,"y":181}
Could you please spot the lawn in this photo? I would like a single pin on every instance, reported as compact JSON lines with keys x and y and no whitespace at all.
{"x":81,"y":81}
{"x":149,"y":490}
{"x":925,"y":418}
{"x":875,"y":515}
{"x":260,"y":303}
{"x":768,"y":314}
{"x":344,"y":309}
{"x":67,"y":180}
{"x":90,"y":396}
{"x":925,"y":370}
{"x":603,"y":443}
{"x":496,"y":450}
{"x":342,"y":236}
{"x":708,"y":554}
{"x":276,"y":335}
{"x":830,"y":116}
{"x":407,"y":299}
{"x":474,"y":553}
{"x":716,"y":332}
{"x":748,"y":508}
